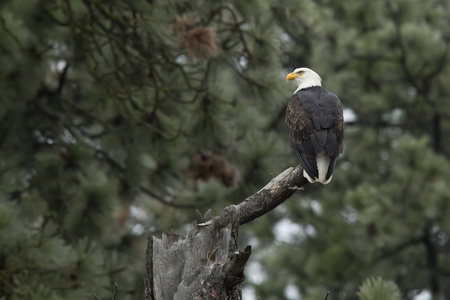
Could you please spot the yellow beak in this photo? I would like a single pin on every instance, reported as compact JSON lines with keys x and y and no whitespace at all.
{"x":291,"y":76}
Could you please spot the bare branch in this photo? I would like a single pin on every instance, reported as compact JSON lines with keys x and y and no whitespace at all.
{"x":273,"y":194}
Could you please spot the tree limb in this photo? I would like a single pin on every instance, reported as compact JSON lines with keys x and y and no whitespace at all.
{"x":273,"y":194}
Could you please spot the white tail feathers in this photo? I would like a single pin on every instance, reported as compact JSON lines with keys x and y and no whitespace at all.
{"x":323,"y":162}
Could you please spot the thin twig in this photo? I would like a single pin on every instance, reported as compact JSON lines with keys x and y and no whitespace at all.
{"x":114,"y":291}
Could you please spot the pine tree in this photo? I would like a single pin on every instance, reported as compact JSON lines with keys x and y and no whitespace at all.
{"x":377,"y":288}
{"x":384,"y":214}
{"x":119,"y":118}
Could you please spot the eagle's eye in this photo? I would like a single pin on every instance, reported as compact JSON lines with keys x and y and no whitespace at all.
{"x":300,"y":72}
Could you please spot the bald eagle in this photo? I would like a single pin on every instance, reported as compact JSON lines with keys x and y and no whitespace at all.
{"x":315,"y":125}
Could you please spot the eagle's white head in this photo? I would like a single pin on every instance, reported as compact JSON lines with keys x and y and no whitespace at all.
{"x":304,"y":78}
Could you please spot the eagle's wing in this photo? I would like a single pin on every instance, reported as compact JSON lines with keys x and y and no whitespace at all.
{"x":315,"y":124}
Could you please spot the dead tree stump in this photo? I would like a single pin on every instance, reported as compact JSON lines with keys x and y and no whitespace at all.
{"x":207,"y":264}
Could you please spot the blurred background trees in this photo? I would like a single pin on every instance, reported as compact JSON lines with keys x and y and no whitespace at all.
{"x":118,"y":119}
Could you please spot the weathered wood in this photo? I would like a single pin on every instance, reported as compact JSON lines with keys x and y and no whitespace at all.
{"x":207,"y":263}
{"x":273,"y":194}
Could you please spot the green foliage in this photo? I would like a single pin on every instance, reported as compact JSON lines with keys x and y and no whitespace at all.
{"x":38,"y":264}
{"x":378,"y":289}
{"x":119,"y":118}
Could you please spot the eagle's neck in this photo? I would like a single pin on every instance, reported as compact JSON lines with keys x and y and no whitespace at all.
{"x":307,"y":82}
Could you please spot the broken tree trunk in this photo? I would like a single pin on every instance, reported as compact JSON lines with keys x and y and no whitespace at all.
{"x":207,"y":264}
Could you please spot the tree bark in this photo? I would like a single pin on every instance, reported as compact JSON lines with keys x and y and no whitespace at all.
{"x":207,"y":264}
